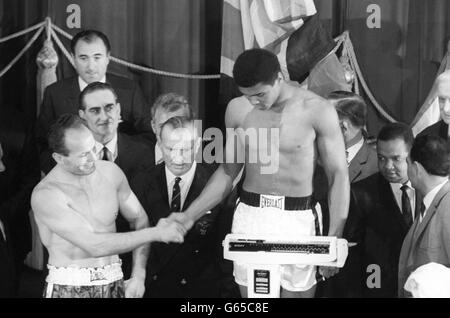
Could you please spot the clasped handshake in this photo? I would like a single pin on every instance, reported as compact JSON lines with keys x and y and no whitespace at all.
{"x":174,"y":228}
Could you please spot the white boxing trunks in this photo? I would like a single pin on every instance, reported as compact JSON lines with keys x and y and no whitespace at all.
{"x":278,"y":215}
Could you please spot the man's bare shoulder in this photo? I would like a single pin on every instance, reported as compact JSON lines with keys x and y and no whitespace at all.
{"x":46,"y":192}
{"x":237,"y":110}
{"x":110,"y":171}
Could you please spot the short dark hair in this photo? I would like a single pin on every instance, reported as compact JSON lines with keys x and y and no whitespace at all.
{"x":433,"y":153}
{"x":177,"y":122}
{"x":57,"y":133}
{"x":351,"y":106}
{"x":89,"y":36}
{"x":394,"y":131}
{"x":93,"y":87}
{"x":256,"y":66}
{"x":171,"y":102}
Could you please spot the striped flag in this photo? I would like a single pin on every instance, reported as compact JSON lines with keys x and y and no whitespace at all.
{"x":291,"y":29}
{"x":261,"y":24}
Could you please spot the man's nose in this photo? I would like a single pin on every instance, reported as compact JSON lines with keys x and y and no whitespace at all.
{"x":103,"y":115}
{"x":389,"y":165}
{"x":177,"y":157}
{"x":91,"y":64}
{"x":92,"y":156}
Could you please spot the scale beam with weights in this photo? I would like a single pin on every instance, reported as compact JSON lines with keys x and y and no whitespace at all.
{"x":264,"y":254}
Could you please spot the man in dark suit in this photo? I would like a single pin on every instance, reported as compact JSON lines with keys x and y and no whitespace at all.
{"x":100,"y":109}
{"x":441,"y":128}
{"x":19,"y":173}
{"x":428,"y":240}
{"x":189,"y":269}
{"x":382,"y":210}
{"x":362,"y":163}
{"x":91,"y":54}
{"x":361,"y":157}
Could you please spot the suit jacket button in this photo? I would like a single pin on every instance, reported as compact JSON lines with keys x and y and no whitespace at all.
{"x":183,"y":281}
{"x":155,"y":277}
{"x":196,"y":251}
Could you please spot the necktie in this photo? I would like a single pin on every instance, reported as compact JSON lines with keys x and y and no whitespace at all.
{"x":406,"y":206}
{"x":422,"y":209}
{"x":106,"y":154}
{"x":175,"y":205}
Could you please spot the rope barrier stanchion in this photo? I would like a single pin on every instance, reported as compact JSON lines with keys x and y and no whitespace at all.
{"x":62,"y":47}
{"x":17,"y":34}
{"x":18,"y":56}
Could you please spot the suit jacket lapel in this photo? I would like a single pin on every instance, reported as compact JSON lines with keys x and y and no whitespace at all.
{"x":431,"y":211}
{"x":391,"y":202}
{"x":72,"y":98}
{"x":354,"y":170}
{"x":195,"y":187}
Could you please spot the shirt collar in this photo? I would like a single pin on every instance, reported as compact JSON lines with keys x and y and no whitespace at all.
{"x":111,"y":145}
{"x":189,"y":175}
{"x":397,"y":186}
{"x":353,"y":150}
{"x":429,"y":197}
{"x":83,"y":84}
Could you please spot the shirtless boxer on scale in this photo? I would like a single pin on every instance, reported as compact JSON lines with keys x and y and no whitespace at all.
{"x":307,"y":127}
{"x":75,"y":208}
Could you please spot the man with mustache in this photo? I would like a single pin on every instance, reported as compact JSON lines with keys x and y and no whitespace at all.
{"x":91,"y":55}
{"x":99,"y":107}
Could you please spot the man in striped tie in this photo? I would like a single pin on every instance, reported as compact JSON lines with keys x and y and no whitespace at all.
{"x":189,"y":269}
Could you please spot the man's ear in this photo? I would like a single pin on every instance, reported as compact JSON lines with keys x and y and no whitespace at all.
{"x":419,"y":169}
{"x":57,"y":157}
{"x":344,"y":125}
{"x":197,"y":145}
{"x":119,"y":111}
{"x":81,"y":113}
{"x":152,"y":122}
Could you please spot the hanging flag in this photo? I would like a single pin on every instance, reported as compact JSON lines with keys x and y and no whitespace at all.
{"x":291,"y":29}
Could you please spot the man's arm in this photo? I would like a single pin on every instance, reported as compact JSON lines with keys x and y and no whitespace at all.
{"x":134,"y":213}
{"x":331,"y":149}
{"x":220,"y":183}
{"x":52,"y":210}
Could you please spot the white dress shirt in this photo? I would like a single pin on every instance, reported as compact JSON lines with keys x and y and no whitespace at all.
{"x":83,"y":84}
{"x":353,"y":150}
{"x":185,"y":183}
{"x":430,"y":197}
{"x":111,"y":145}
{"x":396,"y":189}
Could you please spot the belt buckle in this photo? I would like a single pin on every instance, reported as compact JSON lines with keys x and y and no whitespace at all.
{"x":271,"y":201}
{"x":96,"y":275}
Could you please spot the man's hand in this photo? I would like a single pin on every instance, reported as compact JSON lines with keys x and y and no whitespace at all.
{"x":170,"y":231}
{"x":183,"y":219}
{"x":327,"y":271}
{"x":134,"y":288}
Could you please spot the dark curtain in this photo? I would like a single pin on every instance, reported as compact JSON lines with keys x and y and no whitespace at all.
{"x":399,"y":60}
{"x":181,"y":36}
